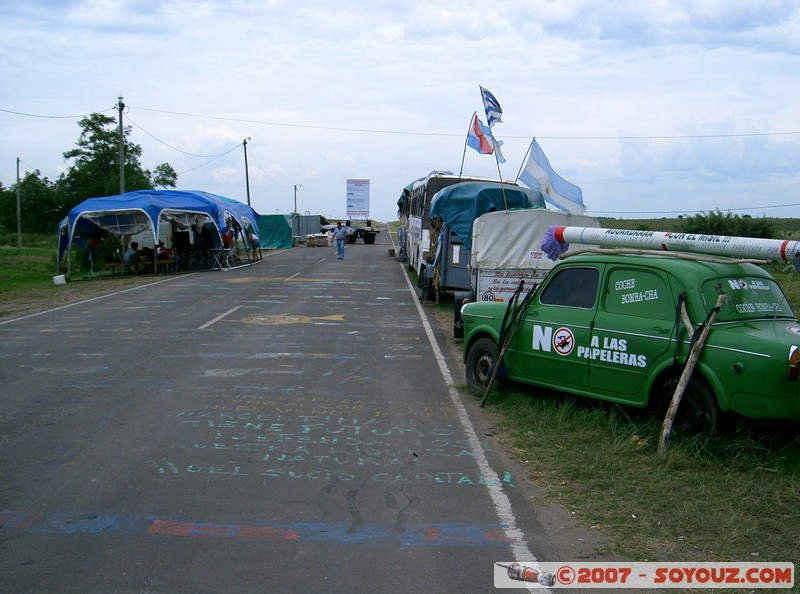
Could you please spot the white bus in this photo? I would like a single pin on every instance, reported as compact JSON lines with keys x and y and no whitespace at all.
{"x":414,"y":214}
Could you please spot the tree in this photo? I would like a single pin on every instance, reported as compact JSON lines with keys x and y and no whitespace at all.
{"x":41,"y":205}
{"x":95,"y":169}
{"x":164,"y":176}
{"x":8,"y":208}
{"x":715,"y":223}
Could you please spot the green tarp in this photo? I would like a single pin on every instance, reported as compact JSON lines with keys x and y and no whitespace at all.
{"x":275,"y":231}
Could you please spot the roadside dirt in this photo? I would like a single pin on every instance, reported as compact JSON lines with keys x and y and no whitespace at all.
{"x":22,"y":303}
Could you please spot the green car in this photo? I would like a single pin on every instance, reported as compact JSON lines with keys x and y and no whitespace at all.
{"x":610,"y":327}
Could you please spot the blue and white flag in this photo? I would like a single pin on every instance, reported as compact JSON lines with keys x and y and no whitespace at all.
{"x":539,"y":175}
{"x":480,"y":138}
{"x":492,"y":107}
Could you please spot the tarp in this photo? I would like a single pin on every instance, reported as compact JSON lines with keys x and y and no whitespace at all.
{"x":513,"y":239}
{"x":275,"y":231}
{"x":136,"y":212}
{"x":460,"y":204}
{"x":406,"y":194}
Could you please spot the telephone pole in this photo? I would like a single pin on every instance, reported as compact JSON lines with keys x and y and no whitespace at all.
{"x":120,"y":107}
{"x":296,"y":216}
{"x":246,"y":172}
{"x":19,"y":209}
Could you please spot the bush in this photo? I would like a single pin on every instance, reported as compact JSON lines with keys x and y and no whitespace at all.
{"x":715,"y":223}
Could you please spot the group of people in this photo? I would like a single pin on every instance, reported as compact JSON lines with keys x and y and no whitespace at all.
{"x":134,"y":256}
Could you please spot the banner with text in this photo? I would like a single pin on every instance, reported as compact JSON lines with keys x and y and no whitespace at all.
{"x":357,"y":198}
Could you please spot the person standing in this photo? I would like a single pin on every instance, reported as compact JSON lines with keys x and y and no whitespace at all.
{"x":227,"y":247}
{"x":255,"y":245}
{"x":339,"y":236}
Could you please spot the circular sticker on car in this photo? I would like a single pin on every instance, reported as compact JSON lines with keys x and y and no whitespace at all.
{"x":794,"y":330}
{"x":563,"y":341}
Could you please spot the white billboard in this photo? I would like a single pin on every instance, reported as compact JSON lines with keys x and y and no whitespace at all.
{"x":357,"y":198}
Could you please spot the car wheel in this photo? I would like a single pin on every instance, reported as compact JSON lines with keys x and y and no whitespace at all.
{"x":698,"y":414}
{"x":481,"y":359}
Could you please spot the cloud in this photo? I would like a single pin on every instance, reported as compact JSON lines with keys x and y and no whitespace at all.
{"x":628,"y":99}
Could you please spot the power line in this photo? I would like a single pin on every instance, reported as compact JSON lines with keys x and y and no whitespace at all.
{"x":304,"y":126}
{"x":411,"y":133}
{"x":441,"y":134}
{"x":261,"y":167}
{"x":53,"y":117}
{"x":177,"y":149}
{"x":210,"y":161}
{"x":652,"y":212}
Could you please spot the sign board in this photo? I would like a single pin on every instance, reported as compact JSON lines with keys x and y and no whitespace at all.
{"x":499,"y":285}
{"x":357,"y":198}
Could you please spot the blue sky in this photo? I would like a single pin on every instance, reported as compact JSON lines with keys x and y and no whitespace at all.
{"x":653,"y":108}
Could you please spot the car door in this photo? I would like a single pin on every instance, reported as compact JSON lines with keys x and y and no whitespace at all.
{"x":633,"y":328}
{"x":555,"y":329}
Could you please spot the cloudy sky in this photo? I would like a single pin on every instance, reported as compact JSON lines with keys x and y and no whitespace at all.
{"x":654,"y":108}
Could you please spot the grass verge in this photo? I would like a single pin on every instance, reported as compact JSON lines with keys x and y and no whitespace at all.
{"x":733,"y":498}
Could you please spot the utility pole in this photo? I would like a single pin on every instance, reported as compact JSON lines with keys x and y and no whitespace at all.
{"x":120,"y":107}
{"x":19,"y":209}
{"x":296,"y":216}
{"x":246,"y":172}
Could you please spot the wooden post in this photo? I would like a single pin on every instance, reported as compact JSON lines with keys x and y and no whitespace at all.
{"x":513,"y":326}
{"x":691,"y":363}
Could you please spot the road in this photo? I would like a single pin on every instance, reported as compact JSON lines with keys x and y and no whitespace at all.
{"x":290,"y":426}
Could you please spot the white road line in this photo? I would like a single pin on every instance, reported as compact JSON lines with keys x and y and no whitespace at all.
{"x":502,"y":504}
{"x":219,"y":317}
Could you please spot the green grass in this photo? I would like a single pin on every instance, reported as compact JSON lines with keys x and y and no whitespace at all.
{"x":734,"y":498}
{"x":26,"y":268}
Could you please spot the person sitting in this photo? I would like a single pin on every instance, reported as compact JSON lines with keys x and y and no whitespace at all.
{"x":132,"y":253}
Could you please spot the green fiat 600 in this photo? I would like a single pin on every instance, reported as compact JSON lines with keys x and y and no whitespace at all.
{"x":610,"y":327}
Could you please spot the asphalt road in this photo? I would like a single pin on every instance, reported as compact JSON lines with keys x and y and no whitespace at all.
{"x":289,"y":426}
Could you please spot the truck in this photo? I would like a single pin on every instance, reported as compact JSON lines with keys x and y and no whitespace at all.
{"x":440,"y":253}
{"x":414,"y":207}
{"x":506,"y":249}
{"x":363,"y":230}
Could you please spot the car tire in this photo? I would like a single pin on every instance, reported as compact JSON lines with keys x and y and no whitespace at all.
{"x":481,"y":359}
{"x":698,"y":414}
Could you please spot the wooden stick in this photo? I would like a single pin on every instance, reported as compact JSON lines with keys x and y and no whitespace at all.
{"x":514,"y":327}
{"x":691,"y":363}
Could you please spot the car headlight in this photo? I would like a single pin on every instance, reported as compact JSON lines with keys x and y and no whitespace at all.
{"x":794,"y":362}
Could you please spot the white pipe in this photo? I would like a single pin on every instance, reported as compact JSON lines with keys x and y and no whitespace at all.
{"x":723,"y":245}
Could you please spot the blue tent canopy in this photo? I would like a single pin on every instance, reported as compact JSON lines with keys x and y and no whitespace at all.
{"x":460,"y":204}
{"x":136,"y":212}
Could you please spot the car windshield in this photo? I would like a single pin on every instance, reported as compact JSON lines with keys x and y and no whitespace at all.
{"x":747,"y":298}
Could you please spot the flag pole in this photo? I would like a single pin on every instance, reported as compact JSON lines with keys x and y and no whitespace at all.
{"x":499,"y":174}
{"x":466,"y":140}
{"x":521,"y":165}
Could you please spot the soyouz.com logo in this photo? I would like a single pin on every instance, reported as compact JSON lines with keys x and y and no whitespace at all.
{"x":643,"y":575}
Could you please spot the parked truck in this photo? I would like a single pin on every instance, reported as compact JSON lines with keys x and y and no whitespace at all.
{"x":506,"y":249}
{"x":452,"y":212}
{"x":364,"y":230}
